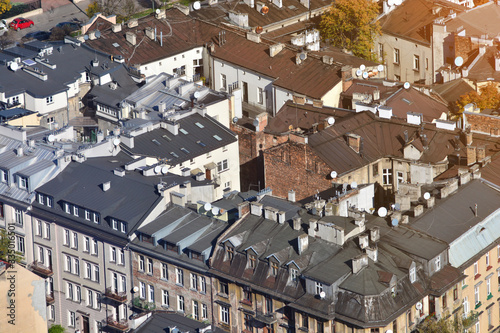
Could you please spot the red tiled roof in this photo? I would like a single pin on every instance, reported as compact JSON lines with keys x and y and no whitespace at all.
{"x":406,"y":100}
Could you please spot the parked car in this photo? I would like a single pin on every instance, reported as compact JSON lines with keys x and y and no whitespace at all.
{"x":21,"y":23}
{"x":38,"y":35}
{"x":3,"y":27}
{"x":72,"y":26}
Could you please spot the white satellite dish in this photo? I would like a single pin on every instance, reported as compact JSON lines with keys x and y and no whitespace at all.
{"x":164,"y":170}
{"x":331,"y":121}
{"x":215,"y":211}
{"x":196,"y":5}
{"x":116,"y":142}
{"x":365,"y":75}
{"x":354,"y":185}
{"x":406,"y":85}
{"x":418,"y":306}
{"x":382,"y":212}
{"x":459,"y":61}
{"x":51,"y":138}
{"x":427,"y":195}
{"x":14,"y":66}
{"x":362,"y":67}
{"x":380,"y":68}
{"x":158,"y":11}
{"x":235,"y":120}
{"x":136,"y":289}
{"x":207,"y":206}
{"x":157,"y":169}
{"x":390,"y":2}
{"x":359,"y":72}
{"x":394,"y":222}
{"x":333,"y":174}
{"x":388,"y":331}
{"x":322,"y":295}
{"x":197,"y":93}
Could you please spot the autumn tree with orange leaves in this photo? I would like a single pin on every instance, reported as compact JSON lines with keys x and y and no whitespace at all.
{"x":352,"y":25}
{"x":487,"y":98}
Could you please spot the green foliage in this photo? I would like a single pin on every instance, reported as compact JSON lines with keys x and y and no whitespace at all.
{"x":431,"y":325}
{"x":7,"y":252}
{"x":488,"y":98}
{"x":93,"y":9}
{"x":56,"y":329}
{"x":352,"y":25}
{"x":5,"y":6}
{"x":143,"y":304}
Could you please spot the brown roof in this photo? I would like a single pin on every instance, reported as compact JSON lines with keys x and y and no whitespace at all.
{"x":406,"y":100}
{"x":484,"y":69}
{"x":490,"y":171}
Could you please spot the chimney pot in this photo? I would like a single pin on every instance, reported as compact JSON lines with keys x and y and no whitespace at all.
{"x":106,"y":186}
{"x":297,"y":223}
{"x":291,"y":196}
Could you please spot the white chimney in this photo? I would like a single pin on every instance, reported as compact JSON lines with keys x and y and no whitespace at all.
{"x":291,"y":196}
{"x":303,"y":243}
{"x":106,"y":186}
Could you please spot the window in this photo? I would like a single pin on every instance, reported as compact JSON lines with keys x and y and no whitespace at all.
{"x":51,"y":313}
{"x":444,"y":301}
{"x":375,"y":170}
{"x":66,"y":237}
{"x":196,"y":315}
{"x":49,"y":100}
{"x":437,"y":262}
{"x":67,"y":208}
{"x":413,"y":274}
{"x":74,"y":241}
{"x":224,"y":314}
{"x":455,"y":293}
{"x":76,"y":266}
{"x":230,"y":253}
{"x":141,"y":263}
{"x":123,"y":227}
{"x":397,"y":77}
{"x":23,"y":182}
{"x":386,"y":176}
{"x":179,"y":276}
{"x":151,"y":293}
{"x":260,"y":95}
{"x":67,"y":263}
{"x":96,"y":274}
{"x":490,"y":321}
{"x":381,"y":51}
{"x":87,"y":215}
{"x":269,"y":305}
{"x":150,"y":266}
{"x":90,"y":298}
{"x":69,"y":290}
{"x":50,"y":202}
{"x":487,"y":258}
{"x":320,"y":327}
{"x":247,"y":322}
{"x":222,"y":166}
{"x":114,"y":224}
{"x":20,"y":244}
{"x":71,"y":319}
{"x":112,"y":250}
{"x":476,"y":270}
{"x":121,"y":257}
{"x":124,"y":284}
{"x":180,"y":303}
{"x":223,"y":82}
{"x":400,"y":177}
{"x":78,"y":294}
{"x":204,"y":311}
{"x":38,"y":228}
{"x":86,"y":244}
{"x":164,"y":271}
{"x":416,"y":62}
{"x":194,"y":281}
{"x":477,"y":298}
{"x":75,"y":210}
{"x":476,"y":327}
{"x":488,"y":286}
{"x":95,"y":248}
{"x":252,"y":260}
{"x":46,"y":234}
{"x":41,"y":256}
{"x":96,"y":218}
{"x":319,"y":288}
{"x":223,"y":288}
{"x":40,"y":199}
{"x":203,"y":285}
{"x":396,"y":56}
{"x":274,"y":268}
{"x":164,"y":298}
{"x":142,"y":290}
{"x":294,"y":275}
{"x":19,"y":216}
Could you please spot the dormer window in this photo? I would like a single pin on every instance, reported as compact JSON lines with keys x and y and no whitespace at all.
{"x":229,"y":253}
{"x":114,"y":224}
{"x":294,"y":274}
{"x":5,"y":176}
{"x":23,"y":182}
{"x":413,"y":274}
{"x":438,"y":263}
{"x":252,"y":261}
{"x":319,"y":288}
{"x":274,"y":268}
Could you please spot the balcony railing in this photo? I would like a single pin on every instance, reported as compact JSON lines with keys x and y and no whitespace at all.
{"x":40,"y":269}
{"x":116,"y":295}
{"x":49,"y":298}
{"x":121,"y":325}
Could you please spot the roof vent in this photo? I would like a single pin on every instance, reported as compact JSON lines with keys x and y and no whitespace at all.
{"x":106,"y":186}
{"x":116,"y":27}
{"x":131,"y":37}
{"x":132,"y":23}
{"x":119,"y":172}
{"x":95,"y":62}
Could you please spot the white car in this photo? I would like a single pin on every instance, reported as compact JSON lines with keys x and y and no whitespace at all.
{"x":3,"y":27}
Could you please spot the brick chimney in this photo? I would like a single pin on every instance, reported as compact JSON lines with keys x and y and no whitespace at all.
{"x":354,"y":141}
{"x":471,"y":155}
{"x":346,"y":77}
{"x":480,"y":153}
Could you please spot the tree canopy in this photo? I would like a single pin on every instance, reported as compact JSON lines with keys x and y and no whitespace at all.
{"x":5,"y":6}
{"x":487,"y":98}
{"x":351,"y":24}
{"x":7,"y":252}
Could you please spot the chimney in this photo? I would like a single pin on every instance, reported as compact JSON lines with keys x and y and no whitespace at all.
{"x":354,"y":141}
{"x":303,"y":243}
{"x":480,"y":153}
{"x":186,"y":172}
{"x":243,"y":208}
{"x":300,"y":57}
{"x":131,"y":38}
{"x":431,"y":201}
{"x":281,"y":217}
{"x":418,"y":210}
{"x":467,"y":138}
{"x":256,"y":208}
{"x":471,"y":155}
{"x":405,"y":219}
{"x":297,"y":223}
{"x":200,"y":177}
{"x":346,"y":74}
{"x":376,"y":95}
{"x":19,"y":151}
{"x":482,"y":50}
{"x":313,"y":227}
{"x":372,"y":253}
{"x":375,"y":234}
{"x":150,"y":32}
{"x":270,"y":213}
{"x":497,"y":61}
{"x":329,"y":61}
{"x":363,"y":241}
{"x":116,"y":27}
{"x":92,"y":35}
{"x":359,"y":262}
{"x":291,"y":196}
{"x":261,"y":121}
{"x":106,"y":186}
{"x":132,"y":23}
{"x":275,"y":49}
{"x":119,"y":172}
{"x":305,"y":3}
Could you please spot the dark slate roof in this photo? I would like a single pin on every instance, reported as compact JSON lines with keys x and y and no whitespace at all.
{"x":451,"y":91}
{"x":473,"y":21}
{"x":453,"y":216}
{"x":14,"y":113}
{"x":484,"y":69}
{"x":145,"y":146}
{"x":161,"y":321}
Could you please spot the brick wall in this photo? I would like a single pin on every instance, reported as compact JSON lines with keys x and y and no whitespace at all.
{"x":481,"y":123}
{"x":295,"y":166}
{"x":464,"y":46}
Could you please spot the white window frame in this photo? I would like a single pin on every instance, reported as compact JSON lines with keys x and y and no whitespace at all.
{"x":164,"y":271}
{"x":142,"y":290}
{"x":386,"y":176}
{"x":204,"y":311}
{"x":224,"y":314}
{"x":164,"y":298}
{"x":203,"y":285}
{"x":86,"y":244}
{"x":180,"y":303}
{"x":50,"y":100}
{"x":193,"y":281}
{"x":71,"y":319}
{"x":151,"y":293}
{"x":397,"y":56}
{"x":179,"y":276}
{"x":413,"y":274}
{"x":416,"y":62}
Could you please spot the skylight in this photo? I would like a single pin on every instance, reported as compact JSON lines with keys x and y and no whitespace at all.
{"x":156,"y":142}
{"x":183,"y":131}
{"x":116,"y":45}
{"x":199,"y":125}
{"x":174,"y":154}
{"x":166,"y":137}
{"x":185,"y":150}
{"x":201,"y":143}
{"x":218,"y":138}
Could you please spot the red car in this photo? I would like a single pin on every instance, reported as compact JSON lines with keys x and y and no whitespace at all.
{"x":21,"y":23}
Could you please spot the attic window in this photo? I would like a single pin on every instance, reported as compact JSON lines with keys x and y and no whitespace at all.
{"x":201,"y":143}
{"x":294,"y":275}
{"x":229,"y":253}
{"x":274,"y":268}
{"x":116,"y":45}
{"x":156,"y":142}
{"x":184,"y":150}
{"x":407,"y":101}
{"x":252,"y":261}
{"x":218,"y":138}
{"x":199,"y":125}
{"x":174,"y":154}
{"x":183,"y":131}
{"x":166,"y":137}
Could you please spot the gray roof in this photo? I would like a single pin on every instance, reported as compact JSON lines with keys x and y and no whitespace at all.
{"x":104,"y":94}
{"x":14,"y":113}
{"x":161,"y":321}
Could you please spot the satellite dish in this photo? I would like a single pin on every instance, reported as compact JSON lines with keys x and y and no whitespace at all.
{"x":380,"y":68}
{"x":256,"y":123}
{"x":331,"y":121}
{"x":382,"y":212}
{"x":136,"y":289}
{"x":397,"y":206}
{"x":196,"y":94}
{"x":215,"y":211}
{"x":116,"y":142}
{"x":302,"y":56}
{"x":388,"y":331}
{"x":418,"y":306}
{"x":354,"y":185}
{"x":427,"y":195}
{"x":221,"y":211}
{"x":51,"y":138}
{"x":333,"y":174}
{"x":235,"y":120}
{"x":97,"y":34}
{"x":459,"y":61}
{"x":394,"y":222}
{"x":406,"y":85}
{"x":322,"y":295}
{"x":158,"y":11}
{"x":86,"y":37}
{"x":207,"y":206}
{"x":196,"y":5}
{"x":14,"y":66}
{"x":359,"y":72}
{"x":164,"y":170}
{"x":362,"y":67}
{"x":365,"y":75}
{"x":157,"y":169}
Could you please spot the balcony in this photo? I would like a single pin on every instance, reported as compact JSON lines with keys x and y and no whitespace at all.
{"x":143,"y":305}
{"x":121,"y":325}
{"x":37,"y":268}
{"x":266,"y":318}
{"x":50,"y":298}
{"x":115,"y":295}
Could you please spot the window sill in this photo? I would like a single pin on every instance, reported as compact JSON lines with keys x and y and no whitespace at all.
{"x":478,"y":305}
{"x":464,"y":286}
{"x":477,"y":276}
{"x":246,"y":302}
{"x":490,"y":296}
{"x":180,"y":285}
{"x":163,"y":279}
{"x":489,"y":267}
{"x":396,"y":63}
{"x":222,"y":295}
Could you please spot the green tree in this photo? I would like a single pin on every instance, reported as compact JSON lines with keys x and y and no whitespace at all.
{"x":487,"y":98}
{"x":459,"y":324}
{"x":352,"y":25}
{"x":5,"y":6}
{"x":56,"y":329}
{"x":93,"y":9}
{"x":7,"y":252}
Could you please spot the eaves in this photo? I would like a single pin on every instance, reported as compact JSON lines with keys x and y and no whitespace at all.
{"x":413,"y":40}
